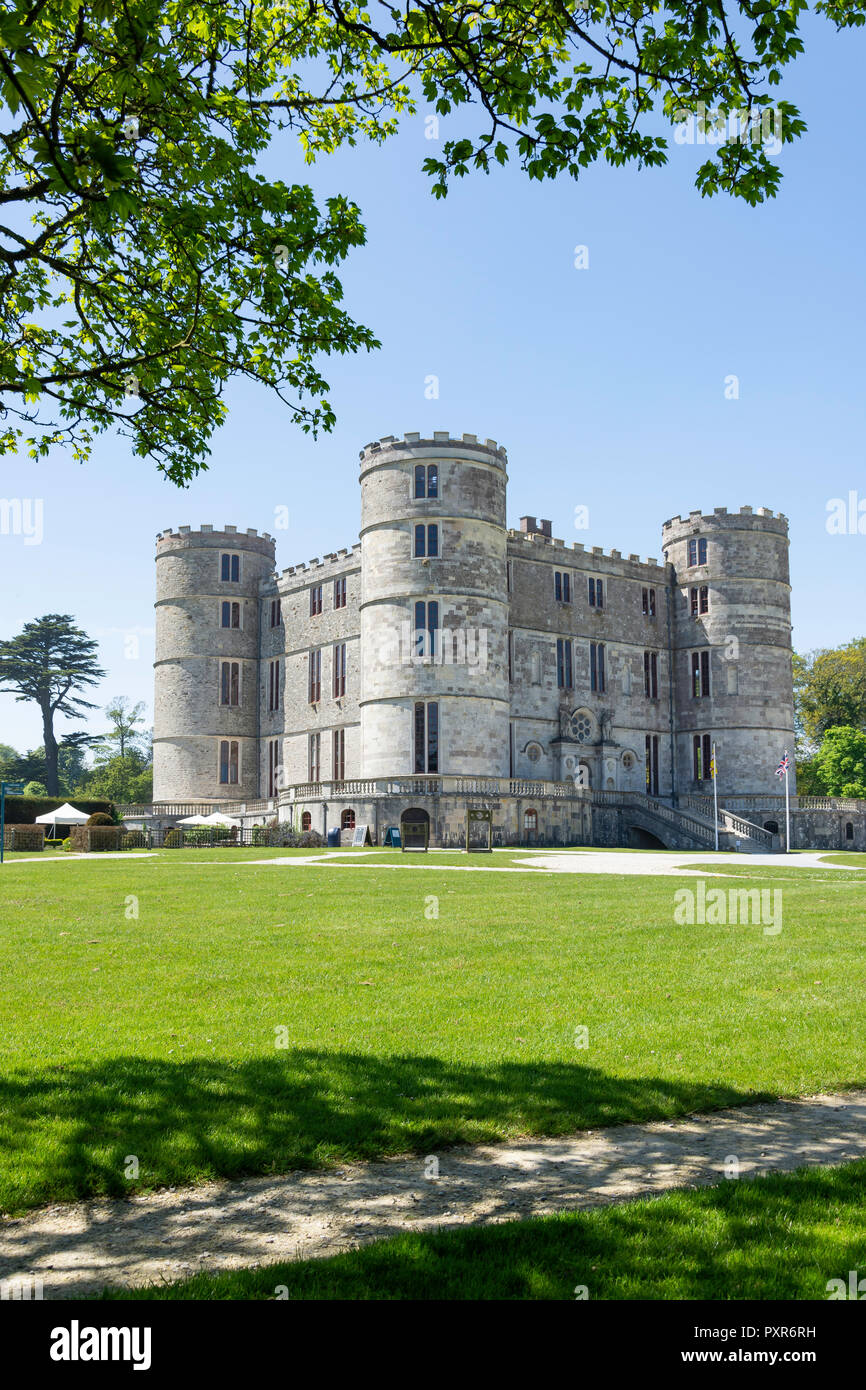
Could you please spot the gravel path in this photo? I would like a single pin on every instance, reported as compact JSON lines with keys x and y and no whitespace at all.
{"x":79,"y":1248}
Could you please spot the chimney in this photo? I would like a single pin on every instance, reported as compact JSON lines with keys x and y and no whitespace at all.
{"x":535,"y":528}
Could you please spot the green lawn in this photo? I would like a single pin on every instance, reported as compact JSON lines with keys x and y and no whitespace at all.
{"x":155,"y":1035}
{"x":779,"y":1237}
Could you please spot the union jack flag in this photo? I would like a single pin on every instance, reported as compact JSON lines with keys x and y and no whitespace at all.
{"x":783,"y":767}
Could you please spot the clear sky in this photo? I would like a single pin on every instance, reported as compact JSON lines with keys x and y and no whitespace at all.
{"x":606,"y":384}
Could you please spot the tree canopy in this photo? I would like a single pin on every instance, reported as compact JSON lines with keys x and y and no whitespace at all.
{"x":144,"y":259}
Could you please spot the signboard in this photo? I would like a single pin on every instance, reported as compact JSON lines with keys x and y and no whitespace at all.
{"x":362,"y":836}
{"x":12,"y":789}
{"x":392,"y":837}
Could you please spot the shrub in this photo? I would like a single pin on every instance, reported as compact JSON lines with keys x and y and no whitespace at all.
{"x":100,"y":818}
{"x":310,"y":839}
{"x":23,"y":837}
{"x":173,"y":840}
{"x":134,"y":839}
{"x":67,"y":845}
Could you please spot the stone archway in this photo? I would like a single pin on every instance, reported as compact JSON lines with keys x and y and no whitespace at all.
{"x":415,"y":828}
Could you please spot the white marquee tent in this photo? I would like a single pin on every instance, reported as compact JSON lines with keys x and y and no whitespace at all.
{"x":215,"y":818}
{"x":63,"y":815}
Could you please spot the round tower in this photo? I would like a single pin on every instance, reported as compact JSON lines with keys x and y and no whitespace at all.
{"x":206,"y":700}
{"x":434,"y":609}
{"x":731,"y":634}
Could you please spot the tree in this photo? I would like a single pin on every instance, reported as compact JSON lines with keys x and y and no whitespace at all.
{"x":125,"y":735}
{"x":830,"y":689}
{"x":841,"y":761}
{"x":49,"y":662}
{"x":8,"y":760}
{"x":120,"y":779}
{"x":145,"y":262}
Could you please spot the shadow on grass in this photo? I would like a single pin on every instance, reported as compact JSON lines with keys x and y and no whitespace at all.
{"x":68,"y":1132}
{"x":720,"y":1243}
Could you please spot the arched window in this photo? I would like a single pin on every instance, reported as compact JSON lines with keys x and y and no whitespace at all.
{"x":306,"y":820}
{"x":530,"y":821}
{"x":347,"y":820}
{"x":772,"y":826}
{"x":849,"y":830}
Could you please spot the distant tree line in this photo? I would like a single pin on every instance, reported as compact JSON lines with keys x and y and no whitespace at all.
{"x":830,"y":720}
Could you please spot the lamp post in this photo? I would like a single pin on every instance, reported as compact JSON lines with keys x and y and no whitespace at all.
{"x":14,"y":789}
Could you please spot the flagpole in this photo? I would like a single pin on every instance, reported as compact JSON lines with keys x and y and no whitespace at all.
{"x":787,"y":809}
{"x":716,"y":796}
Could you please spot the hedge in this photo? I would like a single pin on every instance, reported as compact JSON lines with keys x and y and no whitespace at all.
{"x":29,"y":837}
{"x":88,"y":838}
{"x":24,"y":809}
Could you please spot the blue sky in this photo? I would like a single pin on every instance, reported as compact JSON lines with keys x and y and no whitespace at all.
{"x":607,"y":385}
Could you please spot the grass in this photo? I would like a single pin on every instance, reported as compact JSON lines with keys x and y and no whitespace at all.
{"x":778,"y":1237}
{"x":156,"y":1034}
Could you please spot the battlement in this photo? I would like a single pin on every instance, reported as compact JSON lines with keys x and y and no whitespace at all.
{"x":441,"y":440}
{"x":558,"y":552}
{"x":335,"y":562}
{"x":206,"y":535}
{"x":747,"y":518}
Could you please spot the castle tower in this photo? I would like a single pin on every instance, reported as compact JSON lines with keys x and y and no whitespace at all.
{"x":206,"y":710}
{"x":433,"y":533}
{"x":731,"y":642}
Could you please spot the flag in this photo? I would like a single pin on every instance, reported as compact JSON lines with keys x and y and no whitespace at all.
{"x":783,"y":766}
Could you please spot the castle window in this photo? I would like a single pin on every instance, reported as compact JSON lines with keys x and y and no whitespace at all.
{"x":274,"y":769}
{"x":230,"y":615}
{"x":530,"y":822}
{"x":315,"y":758}
{"x":230,"y":680}
{"x":700,"y":600}
{"x":425,"y":641}
{"x":700,"y":674}
{"x":273,"y":685}
{"x":652,"y":764}
{"x":427,"y":541}
{"x":772,"y":826}
{"x":427,"y":736}
{"x":230,"y":569}
{"x":509,"y":575}
{"x":339,"y":670}
{"x":306,"y":820}
{"x":596,"y":667}
{"x":562,"y":586}
{"x":697,"y":551}
{"x":703,"y":755}
{"x":315,"y":690}
{"x":510,"y":655}
{"x":276,"y":612}
{"x":315,"y":600}
{"x":648,"y":602}
{"x":339,"y":765}
{"x":229,"y":757}
{"x":563,"y":663}
{"x":347,"y":820}
{"x":849,"y":830}
{"x":651,"y":675}
{"x":340,"y":592}
{"x":427,"y":480}
{"x":596,"y":593}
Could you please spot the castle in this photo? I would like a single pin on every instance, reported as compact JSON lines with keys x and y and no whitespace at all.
{"x":446,"y":661}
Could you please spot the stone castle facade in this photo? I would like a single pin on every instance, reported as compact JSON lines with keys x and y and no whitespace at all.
{"x":445,"y":659}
